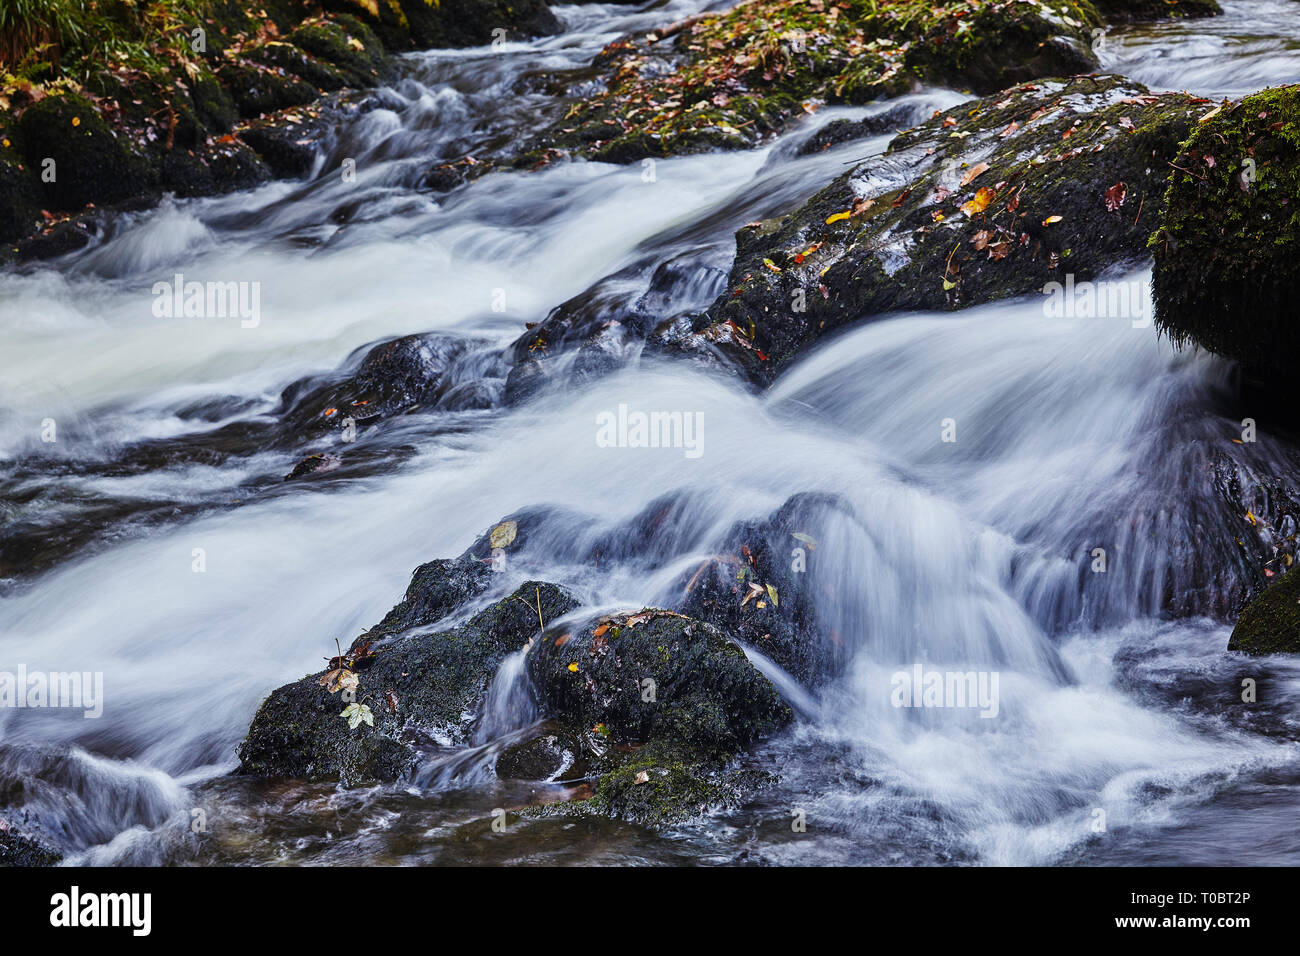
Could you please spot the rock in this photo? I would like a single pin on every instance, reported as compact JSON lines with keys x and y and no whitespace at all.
{"x":663,"y":702}
{"x":899,"y":232}
{"x":656,"y":677}
{"x":779,"y":553}
{"x":423,"y":689}
{"x":1270,"y":624}
{"x":1128,"y":11}
{"x":729,"y":80}
{"x":386,"y":380}
{"x":551,"y":754}
{"x":419,"y":25}
{"x":312,"y":464}
{"x":20,"y":192}
{"x":92,"y":163}
{"x":1227,"y":254}
{"x":19,"y":850}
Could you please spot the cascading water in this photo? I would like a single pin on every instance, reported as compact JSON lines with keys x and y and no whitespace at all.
{"x":1072,"y":434}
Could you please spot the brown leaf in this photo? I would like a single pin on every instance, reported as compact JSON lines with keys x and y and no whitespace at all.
{"x":1115,"y":196}
{"x":976,"y":170}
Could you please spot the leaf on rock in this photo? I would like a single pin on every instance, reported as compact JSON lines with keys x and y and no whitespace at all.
{"x":503,"y":534}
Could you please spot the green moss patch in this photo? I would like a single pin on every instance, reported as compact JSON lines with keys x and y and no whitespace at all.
{"x":1227,"y":254}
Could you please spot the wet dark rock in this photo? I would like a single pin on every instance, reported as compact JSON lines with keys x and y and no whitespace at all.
{"x":92,"y":163}
{"x":19,"y":850}
{"x":382,"y":381}
{"x":20,"y":192}
{"x":1226,"y":262}
{"x":552,"y":753}
{"x":903,"y":233}
{"x":1128,"y":11}
{"x":662,"y":703}
{"x":423,"y":689}
{"x":842,"y":131}
{"x":781,"y":553}
{"x":312,"y":464}
{"x":1270,"y":624}
{"x":417,"y":25}
{"x":659,"y":677}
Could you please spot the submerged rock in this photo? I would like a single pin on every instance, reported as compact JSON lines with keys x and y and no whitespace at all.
{"x":1270,"y":624}
{"x":1227,"y":254}
{"x":1050,"y":182}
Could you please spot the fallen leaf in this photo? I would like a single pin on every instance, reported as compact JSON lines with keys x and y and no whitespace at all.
{"x":574,"y":667}
{"x":503,"y":534}
{"x":838,"y":216}
{"x":1051,"y":219}
{"x":1115,"y":196}
{"x":981,"y":202}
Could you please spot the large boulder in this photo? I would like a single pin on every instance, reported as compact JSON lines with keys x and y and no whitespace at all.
{"x":662,"y":703}
{"x":1227,"y":253}
{"x":1270,"y":624}
{"x":423,"y":690}
{"x":994,"y":198}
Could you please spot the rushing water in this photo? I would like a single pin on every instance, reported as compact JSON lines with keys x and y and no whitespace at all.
{"x":964,"y":554}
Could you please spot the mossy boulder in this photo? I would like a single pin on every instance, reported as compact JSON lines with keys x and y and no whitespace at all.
{"x":1227,"y":253}
{"x":92,"y":163}
{"x":729,"y":80}
{"x":257,"y":88}
{"x":656,"y":676}
{"x":20,"y":192}
{"x":994,"y":198}
{"x":661,"y":704}
{"x":1270,"y":624}
{"x":423,"y":689}
{"x":345,"y":43}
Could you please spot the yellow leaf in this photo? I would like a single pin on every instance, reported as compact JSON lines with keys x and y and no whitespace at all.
{"x":574,"y":667}
{"x":76,"y":121}
{"x":503,"y":534}
{"x":1051,"y":219}
{"x":981,"y":202}
{"x":838,"y":216}
{"x":771,"y":592}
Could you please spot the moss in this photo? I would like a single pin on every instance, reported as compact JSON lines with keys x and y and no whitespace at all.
{"x":91,"y":163}
{"x":353,"y":51}
{"x":1270,"y":624}
{"x":20,"y":192}
{"x":1227,"y":253}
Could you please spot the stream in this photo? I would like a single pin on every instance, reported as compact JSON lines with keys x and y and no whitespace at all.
{"x":1072,"y":432}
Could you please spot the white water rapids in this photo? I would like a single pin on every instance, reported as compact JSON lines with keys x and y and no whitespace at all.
{"x":1071,"y":433}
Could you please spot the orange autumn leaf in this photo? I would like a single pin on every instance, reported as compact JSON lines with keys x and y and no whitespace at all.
{"x":981,"y":202}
